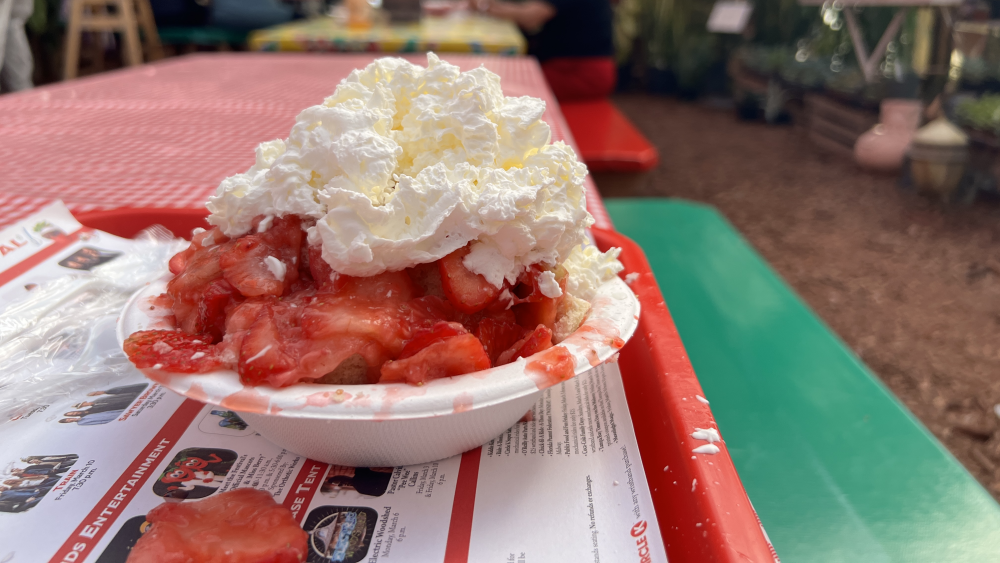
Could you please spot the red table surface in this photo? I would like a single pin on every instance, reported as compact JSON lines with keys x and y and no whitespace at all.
{"x":166,"y":134}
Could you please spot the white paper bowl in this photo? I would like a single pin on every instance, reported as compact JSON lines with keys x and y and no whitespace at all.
{"x":395,"y":424}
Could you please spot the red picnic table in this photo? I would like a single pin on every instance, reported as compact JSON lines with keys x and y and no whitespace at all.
{"x":164,"y":136}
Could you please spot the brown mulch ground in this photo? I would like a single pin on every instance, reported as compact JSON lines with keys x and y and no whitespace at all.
{"x":911,"y":285}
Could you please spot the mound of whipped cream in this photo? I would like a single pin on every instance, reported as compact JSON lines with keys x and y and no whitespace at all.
{"x":403,"y":165}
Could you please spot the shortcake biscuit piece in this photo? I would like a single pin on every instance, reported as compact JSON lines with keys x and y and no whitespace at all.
{"x":570,"y":315}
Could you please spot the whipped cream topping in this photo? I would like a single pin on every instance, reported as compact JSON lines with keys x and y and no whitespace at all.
{"x":404,"y":164}
{"x":589,"y":268}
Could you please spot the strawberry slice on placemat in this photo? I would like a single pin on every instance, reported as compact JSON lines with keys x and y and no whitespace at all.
{"x":239,"y":526}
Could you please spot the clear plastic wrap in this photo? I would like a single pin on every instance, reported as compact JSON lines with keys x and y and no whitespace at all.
{"x":60,"y":338}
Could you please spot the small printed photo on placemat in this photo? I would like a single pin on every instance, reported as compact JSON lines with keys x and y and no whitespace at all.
{"x":195,"y":473}
{"x":102,"y":406}
{"x":226,"y":422}
{"x":340,"y":533}
{"x":365,"y":481}
{"x":87,"y":258}
{"x":23,"y":483}
{"x":126,"y":538}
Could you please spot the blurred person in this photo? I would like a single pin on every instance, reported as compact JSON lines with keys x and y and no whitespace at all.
{"x":40,"y":469}
{"x":37,"y":461}
{"x":71,"y":458}
{"x":179,"y":13}
{"x":120,"y":390}
{"x":19,"y":500}
{"x":27,"y":472}
{"x":249,"y":14}
{"x":92,"y":419}
{"x":243,"y":15}
{"x":571,"y":38}
{"x":28,"y":481}
{"x":16,"y":64}
{"x":106,"y":403}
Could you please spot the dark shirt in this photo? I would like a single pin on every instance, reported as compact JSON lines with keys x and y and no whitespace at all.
{"x":110,"y":403}
{"x":20,"y":495}
{"x":49,"y":482}
{"x":580,"y":28}
{"x":371,"y":483}
{"x":18,"y":505}
{"x":127,"y":389}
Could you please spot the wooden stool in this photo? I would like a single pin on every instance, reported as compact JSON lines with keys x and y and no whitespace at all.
{"x":126,"y":19}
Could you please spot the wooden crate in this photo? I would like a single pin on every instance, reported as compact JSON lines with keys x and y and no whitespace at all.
{"x":835,"y":126}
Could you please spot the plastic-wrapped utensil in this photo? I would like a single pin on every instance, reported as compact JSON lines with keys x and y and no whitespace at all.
{"x":60,"y":337}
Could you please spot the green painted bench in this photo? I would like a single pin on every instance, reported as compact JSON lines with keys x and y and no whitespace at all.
{"x":836,"y":467}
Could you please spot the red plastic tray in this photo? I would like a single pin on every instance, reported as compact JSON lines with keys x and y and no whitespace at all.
{"x":662,"y":392}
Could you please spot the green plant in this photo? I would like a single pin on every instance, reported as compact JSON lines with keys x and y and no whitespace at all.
{"x":982,"y":113}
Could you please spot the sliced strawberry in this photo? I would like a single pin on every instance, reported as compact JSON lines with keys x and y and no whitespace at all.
{"x":171,"y":350}
{"x":265,"y":263}
{"x":457,"y":355}
{"x":330,"y":316}
{"x":536,"y":341}
{"x":245,"y":268}
{"x":215,"y":301}
{"x":305,"y":277}
{"x":427,"y":278}
{"x":262,"y":353}
{"x":188,"y":288}
{"x":383,"y":289}
{"x":242,"y":317}
{"x":179,"y":261}
{"x":467,"y":291}
{"x":209,"y":238}
{"x":304,"y":336}
{"x":535,"y":308}
{"x":199,"y":241}
{"x":526,"y":289}
{"x":541,"y":312}
{"x":497,"y":335}
{"x":238,"y":526}
{"x":321,"y":272}
{"x":425,"y":337}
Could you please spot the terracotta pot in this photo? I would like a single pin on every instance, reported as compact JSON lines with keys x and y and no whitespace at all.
{"x":883,"y":147}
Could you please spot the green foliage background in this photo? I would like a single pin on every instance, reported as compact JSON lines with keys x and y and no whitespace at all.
{"x":670,"y":35}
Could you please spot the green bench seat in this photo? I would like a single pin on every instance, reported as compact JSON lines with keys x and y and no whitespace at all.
{"x":836,"y":467}
{"x":204,"y":36}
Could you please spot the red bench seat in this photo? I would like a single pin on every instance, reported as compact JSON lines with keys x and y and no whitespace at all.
{"x":607,"y":140}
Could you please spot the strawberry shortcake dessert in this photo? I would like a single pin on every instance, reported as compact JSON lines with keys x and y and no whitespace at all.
{"x":417,"y":224}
